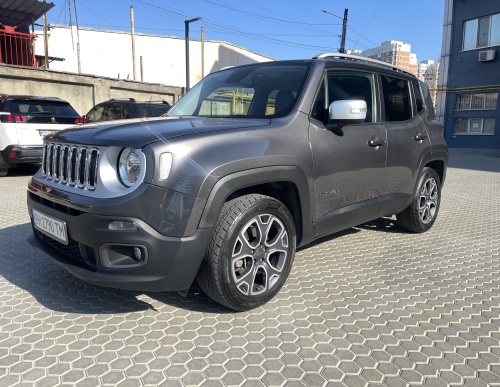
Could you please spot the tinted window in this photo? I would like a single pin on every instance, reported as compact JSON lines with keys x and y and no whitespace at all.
{"x":419,"y":99}
{"x":153,"y":110}
{"x":112,"y":112}
{"x":396,"y":99}
{"x":41,"y":108}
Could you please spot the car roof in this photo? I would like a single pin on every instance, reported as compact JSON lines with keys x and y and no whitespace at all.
{"x":133,"y":100}
{"x":9,"y":97}
{"x":342,"y":58}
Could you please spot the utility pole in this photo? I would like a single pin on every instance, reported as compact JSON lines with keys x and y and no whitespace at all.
{"x":132,"y":28}
{"x":186,"y":25}
{"x":344,"y":29}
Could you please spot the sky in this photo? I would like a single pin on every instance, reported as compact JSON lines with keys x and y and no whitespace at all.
{"x":292,"y":29}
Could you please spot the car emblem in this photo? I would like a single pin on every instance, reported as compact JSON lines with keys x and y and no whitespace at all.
{"x":53,"y":120}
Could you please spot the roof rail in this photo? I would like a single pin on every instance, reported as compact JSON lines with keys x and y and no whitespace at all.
{"x":336,"y":55}
{"x":123,"y":99}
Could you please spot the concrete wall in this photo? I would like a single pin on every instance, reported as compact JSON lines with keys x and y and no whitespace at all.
{"x":109,"y":54}
{"x":81,"y":91}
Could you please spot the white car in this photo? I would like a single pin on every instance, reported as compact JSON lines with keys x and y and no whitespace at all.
{"x":25,"y":121}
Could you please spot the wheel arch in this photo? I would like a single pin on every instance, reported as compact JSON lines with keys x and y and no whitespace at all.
{"x":439,"y":167}
{"x":287,"y":184}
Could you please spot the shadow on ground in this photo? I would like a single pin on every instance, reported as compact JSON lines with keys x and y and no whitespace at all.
{"x":23,"y":170}
{"x":58,"y":290}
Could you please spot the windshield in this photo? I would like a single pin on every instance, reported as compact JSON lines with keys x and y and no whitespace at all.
{"x":263,"y":90}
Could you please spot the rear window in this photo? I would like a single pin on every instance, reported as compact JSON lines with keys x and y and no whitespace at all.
{"x":41,"y":108}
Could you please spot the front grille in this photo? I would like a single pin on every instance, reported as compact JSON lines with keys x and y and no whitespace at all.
{"x":72,"y":250}
{"x":73,"y":165}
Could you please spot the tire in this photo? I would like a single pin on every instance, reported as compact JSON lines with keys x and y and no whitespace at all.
{"x":250,"y":254}
{"x":3,"y":172}
{"x":422,"y":212}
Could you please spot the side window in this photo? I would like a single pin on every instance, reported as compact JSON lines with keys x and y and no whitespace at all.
{"x":127,"y":111}
{"x":419,"y":99}
{"x":95,"y":114}
{"x":319,"y":110}
{"x":396,"y":99}
{"x":343,"y":85}
{"x":112,"y":112}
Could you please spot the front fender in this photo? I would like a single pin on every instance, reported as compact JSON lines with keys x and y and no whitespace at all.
{"x":252,"y":177}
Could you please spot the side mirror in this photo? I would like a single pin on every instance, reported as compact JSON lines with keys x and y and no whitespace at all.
{"x":348,"y":111}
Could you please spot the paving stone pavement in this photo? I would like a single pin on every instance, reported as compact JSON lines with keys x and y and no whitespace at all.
{"x":370,"y":306}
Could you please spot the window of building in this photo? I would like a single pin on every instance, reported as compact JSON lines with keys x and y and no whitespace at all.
{"x":477,"y":101}
{"x":478,"y":126}
{"x":482,"y":32}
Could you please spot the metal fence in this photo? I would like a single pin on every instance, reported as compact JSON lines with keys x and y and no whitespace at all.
{"x":16,"y":48}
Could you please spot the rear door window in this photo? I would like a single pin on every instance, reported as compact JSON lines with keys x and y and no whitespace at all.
{"x":397,"y":101}
{"x":419,"y":99}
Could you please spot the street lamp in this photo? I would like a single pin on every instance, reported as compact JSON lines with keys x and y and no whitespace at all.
{"x":186,"y":25}
{"x":344,"y":28}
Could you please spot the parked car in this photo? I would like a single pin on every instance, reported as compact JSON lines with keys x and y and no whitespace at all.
{"x":24,"y":121}
{"x":122,"y":109}
{"x":251,"y":163}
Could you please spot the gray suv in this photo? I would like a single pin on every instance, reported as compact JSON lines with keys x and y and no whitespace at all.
{"x":252,"y":163}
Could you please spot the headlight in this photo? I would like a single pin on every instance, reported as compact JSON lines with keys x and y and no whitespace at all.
{"x":129,"y":166}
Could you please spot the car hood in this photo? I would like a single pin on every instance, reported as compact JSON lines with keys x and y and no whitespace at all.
{"x":140,"y":132}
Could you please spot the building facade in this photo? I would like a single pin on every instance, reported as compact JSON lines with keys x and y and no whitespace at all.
{"x":394,"y":52}
{"x":469,"y":80}
{"x":158,"y":58}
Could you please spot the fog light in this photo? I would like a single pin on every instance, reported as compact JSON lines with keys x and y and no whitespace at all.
{"x":137,"y":254}
{"x":119,"y":225}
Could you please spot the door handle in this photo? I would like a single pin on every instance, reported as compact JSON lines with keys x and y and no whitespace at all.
{"x":376,"y":142}
{"x":420,"y":136}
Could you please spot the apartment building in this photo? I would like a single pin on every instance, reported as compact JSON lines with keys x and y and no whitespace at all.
{"x":394,"y":52}
{"x":427,"y":72}
{"x":469,"y":74}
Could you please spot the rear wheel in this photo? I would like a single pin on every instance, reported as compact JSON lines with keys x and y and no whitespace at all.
{"x":3,"y":172}
{"x":250,"y":254}
{"x":422,"y":212}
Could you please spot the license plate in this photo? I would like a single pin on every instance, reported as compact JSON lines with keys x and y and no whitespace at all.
{"x":50,"y":226}
{"x":44,"y":133}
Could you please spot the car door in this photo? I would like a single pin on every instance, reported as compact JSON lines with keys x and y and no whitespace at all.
{"x":407,"y":138}
{"x":349,"y":162}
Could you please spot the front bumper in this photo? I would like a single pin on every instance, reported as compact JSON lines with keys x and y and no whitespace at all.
{"x":20,"y":154}
{"x":101,"y":256}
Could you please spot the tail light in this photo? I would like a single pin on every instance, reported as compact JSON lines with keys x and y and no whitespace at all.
{"x":12,"y":118}
{"x":80,"y":120}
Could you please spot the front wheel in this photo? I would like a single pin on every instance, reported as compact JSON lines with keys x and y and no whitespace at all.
{"x":422,"y":212}
{"x":250,"y":254}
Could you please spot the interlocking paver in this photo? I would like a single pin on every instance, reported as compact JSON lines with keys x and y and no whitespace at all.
{"x":372,"y":305}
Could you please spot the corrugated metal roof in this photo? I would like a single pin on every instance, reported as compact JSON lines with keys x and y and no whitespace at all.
{"x":21,"y":12}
